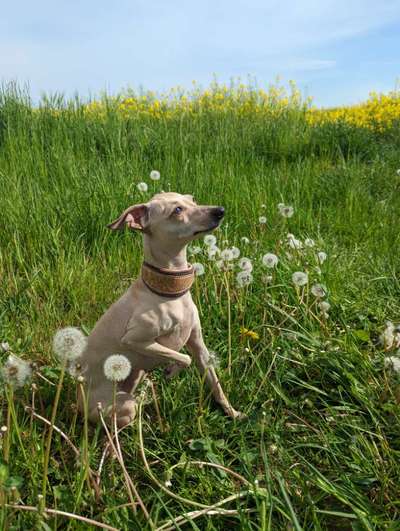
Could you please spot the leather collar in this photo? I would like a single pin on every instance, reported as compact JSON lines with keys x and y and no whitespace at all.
{"x":167,"y":282}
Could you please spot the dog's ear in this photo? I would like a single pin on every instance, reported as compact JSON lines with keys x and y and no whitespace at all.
{"x":135,"y":217}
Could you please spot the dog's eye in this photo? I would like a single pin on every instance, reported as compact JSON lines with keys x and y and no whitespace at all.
{"x":178,"y":210}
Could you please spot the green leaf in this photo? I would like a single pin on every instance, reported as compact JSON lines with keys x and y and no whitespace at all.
{"x":362,"y":334}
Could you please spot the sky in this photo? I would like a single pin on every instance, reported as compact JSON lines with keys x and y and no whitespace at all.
{"x":336,"y":50}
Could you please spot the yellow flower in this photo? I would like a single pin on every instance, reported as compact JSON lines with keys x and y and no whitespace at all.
{"x":245,"y":332}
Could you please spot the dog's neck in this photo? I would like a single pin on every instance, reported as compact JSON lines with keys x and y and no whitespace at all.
{"x":172,"y":258}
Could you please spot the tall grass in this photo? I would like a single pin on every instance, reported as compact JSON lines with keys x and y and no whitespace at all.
{"x":320,"y":447}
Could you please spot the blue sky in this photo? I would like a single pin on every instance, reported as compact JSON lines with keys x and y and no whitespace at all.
{"x":336,"y":50}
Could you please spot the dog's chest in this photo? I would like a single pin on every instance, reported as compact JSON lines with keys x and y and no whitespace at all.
{"x":175,"y":328}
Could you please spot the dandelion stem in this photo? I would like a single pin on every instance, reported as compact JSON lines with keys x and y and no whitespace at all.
{"x":11,"y":410}
{"x":228,"y":294}
{"x":50,"y":432}
{"x":155,"y":398}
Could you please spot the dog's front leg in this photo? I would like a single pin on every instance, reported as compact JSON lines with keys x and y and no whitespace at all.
{"x":200,"y":353}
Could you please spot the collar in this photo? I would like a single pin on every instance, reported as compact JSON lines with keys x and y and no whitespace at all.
{"x":167,"y":282}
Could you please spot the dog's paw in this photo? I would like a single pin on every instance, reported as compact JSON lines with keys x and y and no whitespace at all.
{"x":237,"y":415}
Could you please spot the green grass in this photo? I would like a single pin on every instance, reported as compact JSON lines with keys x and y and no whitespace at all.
{"x":322,"y":437}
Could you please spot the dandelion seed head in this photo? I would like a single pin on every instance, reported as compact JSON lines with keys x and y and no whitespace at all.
{"x":262,"y":220}
{"x":195,"y":250}
{"x":299,"y":278}
{"x":286,"y":211}
{"x":393,"y":362}
{"x":319,"y":291}
{"x":117,"y":368}
{"x":74,"y":369}
{"x":227,"y":255}
{"x":154,"y":175}
{"x":4,"y":346}
{"x":322,"y":256}
{"x":293,"y":242}
{"x":388,"y":336}
{"x":210,"y":240}
{"x":267,"y":279}
{"x":16,"y":371}
{"x":309,"y":242}
{"x":212,"y":252}
{"x":198,"y":269}
{"x":214,"y":360}
{"x":142,"y":187}
{"x":245,"y":240}
{"x":244,"y":278}
{"x":245,"y":264}
{"x":324,"y":306}
{"x":235,"y":252}
{"x":3,"y":429}
{"x":69,"y":343}
{"x":270,"y":260}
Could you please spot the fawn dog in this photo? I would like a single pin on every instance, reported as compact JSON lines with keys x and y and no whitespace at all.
{"x":156,"y":317}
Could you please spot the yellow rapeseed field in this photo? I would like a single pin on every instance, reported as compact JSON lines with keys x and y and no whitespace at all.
{"x":379,"y":112}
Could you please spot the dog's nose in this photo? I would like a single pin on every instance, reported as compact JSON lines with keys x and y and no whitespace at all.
{"x":218,"y":212}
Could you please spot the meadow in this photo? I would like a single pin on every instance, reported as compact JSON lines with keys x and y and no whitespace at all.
{"x":302,"y":356}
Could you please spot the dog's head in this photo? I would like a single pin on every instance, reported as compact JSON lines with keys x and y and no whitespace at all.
{"x":169,"y":215}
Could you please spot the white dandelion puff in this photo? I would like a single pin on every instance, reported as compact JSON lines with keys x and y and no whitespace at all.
{"x":270,"y":260}
{"x":322,"y":256}
{"x":299,"y":278}
{"x":267,"y":279}
{"x":286,"y":211}
{"x":227,"y":255}
{"x":220,"y":264}
{"x":324,"y":306}
{"x":388,"y":336}
{"x":245,"y":240}
{"x":309,"y":242}
{"x":210,"y":240}
{"x":393,"y":362}
{"x":16,"y":371}
{"x":262,"y":220}
{"x":281,"y":206}
{"x":244,"y":278}
{"x":69,"y":343}
{"x":117,"y":368}
{"x":398,"y":171}
{"x":154,"y":175}
{"x":4,"y":346}
{"x":293,"y":242}
{"x":212,"y":252}
{"x":213,"y":360}
{"x":198,"y":269}
{"x":194,"y":250}
{"x":246,"y":264}
{"x":142,"y":187}
{"x":263,"y":206}
{"x":235,"y":252}
{"x":319,"y":291}
{"x":74,"y":369}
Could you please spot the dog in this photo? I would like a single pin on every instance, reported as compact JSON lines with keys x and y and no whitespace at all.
{"x":156,"y":317}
